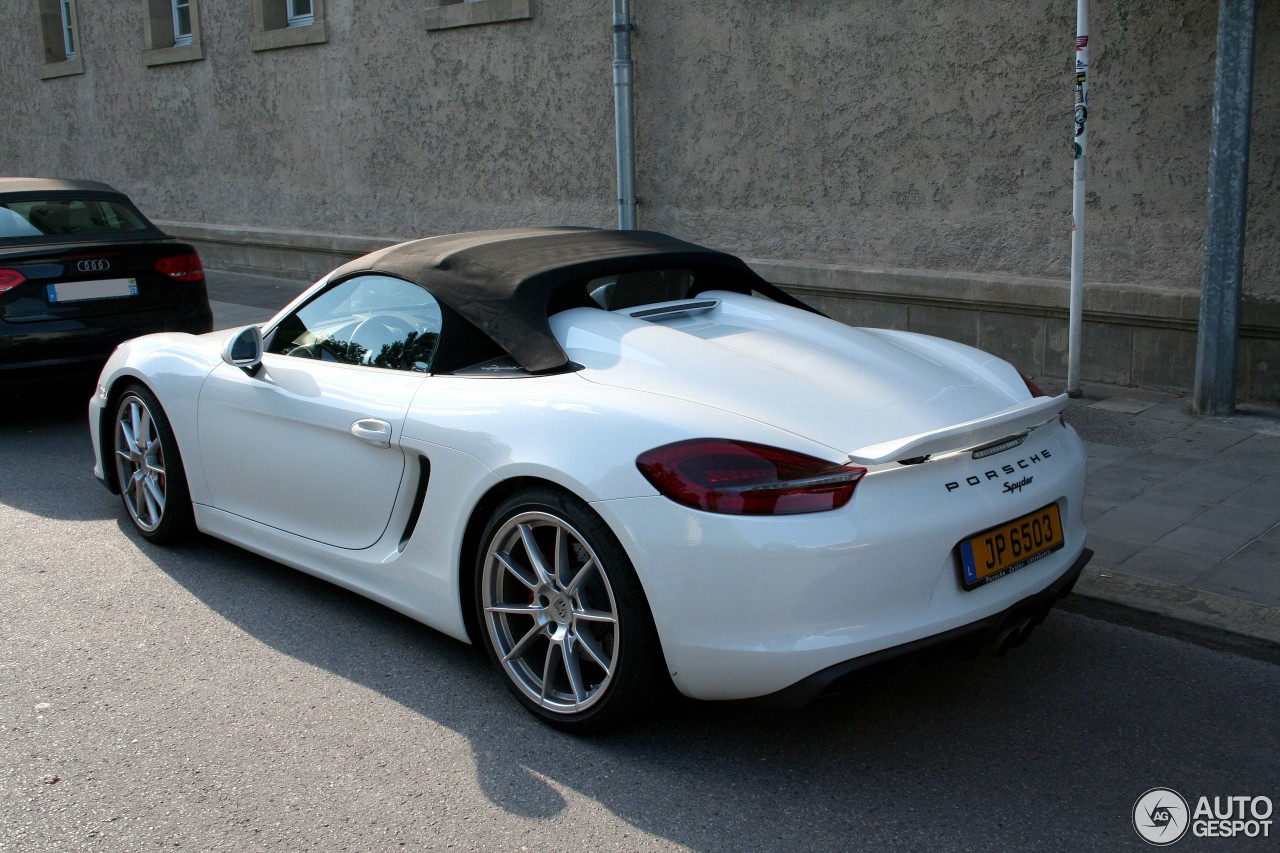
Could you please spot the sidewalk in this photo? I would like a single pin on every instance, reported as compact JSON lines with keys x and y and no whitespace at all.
{"x":1184,"y":517}
{"x":1183,"y":511}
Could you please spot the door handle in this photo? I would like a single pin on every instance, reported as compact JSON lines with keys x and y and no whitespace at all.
{"x":372,"y":431}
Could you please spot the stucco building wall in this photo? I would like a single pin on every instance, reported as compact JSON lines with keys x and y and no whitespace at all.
{"x":904,"y":163}
{"x":937,"y":135}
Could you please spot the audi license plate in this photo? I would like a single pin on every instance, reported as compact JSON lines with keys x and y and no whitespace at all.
{"x":104,"y":288}
{"x":996,"y":552}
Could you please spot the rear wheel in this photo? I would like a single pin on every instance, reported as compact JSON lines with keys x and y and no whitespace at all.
{"x":563,"y":615}
{"x":153,"y":484}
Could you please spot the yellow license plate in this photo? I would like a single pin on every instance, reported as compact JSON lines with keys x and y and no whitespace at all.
{"x":996,"y":552}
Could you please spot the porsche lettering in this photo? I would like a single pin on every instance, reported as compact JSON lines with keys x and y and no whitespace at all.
{"x":1004,"y":471}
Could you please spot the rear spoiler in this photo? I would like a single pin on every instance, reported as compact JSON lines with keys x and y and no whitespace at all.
{"x":1016,"y":419}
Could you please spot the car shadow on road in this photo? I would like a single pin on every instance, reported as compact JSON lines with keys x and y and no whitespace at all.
{"x":47,"y":456}
{"x":964,"y":752}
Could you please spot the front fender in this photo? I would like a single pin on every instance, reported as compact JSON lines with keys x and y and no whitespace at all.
{"x":173,"y":366}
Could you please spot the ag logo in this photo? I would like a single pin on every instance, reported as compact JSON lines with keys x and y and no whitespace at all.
{"x":1161,"y":816}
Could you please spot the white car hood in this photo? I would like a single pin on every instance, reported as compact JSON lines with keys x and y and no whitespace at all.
{"x":870,"y":393}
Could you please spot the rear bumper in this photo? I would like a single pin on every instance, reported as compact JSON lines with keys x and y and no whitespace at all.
{"x":60,"y":347}
{"x":748,"y":606}
{"x":1001,"y":631}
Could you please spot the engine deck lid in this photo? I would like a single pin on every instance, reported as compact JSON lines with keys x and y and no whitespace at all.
{"x":877,"y":394}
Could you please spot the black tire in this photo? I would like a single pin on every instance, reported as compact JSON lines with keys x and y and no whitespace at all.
{"x":575,"y":611}
{"x":153,"y":483}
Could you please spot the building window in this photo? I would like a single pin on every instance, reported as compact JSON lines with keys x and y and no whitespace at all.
{"x":59,"y":45}
{"x":469,"y":13}
{"x":171,"y":32}
{"x":181,"y":23}
{"x":68,"y":32}
{"x":287,"y":23}
{"x":300,"y":13}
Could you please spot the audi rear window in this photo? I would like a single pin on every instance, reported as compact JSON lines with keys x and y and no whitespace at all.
{"x":57,"y":218}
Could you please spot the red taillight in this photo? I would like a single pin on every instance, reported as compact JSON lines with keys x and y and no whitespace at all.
{"x":181,"y":267}
{"x":9,"y":279}
{"x":742,"y":478}
{"x":1036,"y":390}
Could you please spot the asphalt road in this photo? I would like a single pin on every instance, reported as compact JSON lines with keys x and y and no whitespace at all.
{"x":202,"y":698}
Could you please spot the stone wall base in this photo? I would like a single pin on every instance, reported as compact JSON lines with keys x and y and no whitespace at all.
{"x":1133,"y":335}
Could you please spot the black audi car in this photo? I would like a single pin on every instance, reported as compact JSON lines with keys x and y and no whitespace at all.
{"x":81,"y":269}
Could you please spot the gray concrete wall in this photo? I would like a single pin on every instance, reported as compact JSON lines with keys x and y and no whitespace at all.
{"x":861,"y":150}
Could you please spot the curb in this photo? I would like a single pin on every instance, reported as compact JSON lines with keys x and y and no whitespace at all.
{"x":1205,"y":618}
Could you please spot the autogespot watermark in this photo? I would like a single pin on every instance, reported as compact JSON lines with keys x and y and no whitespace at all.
{"x":1162,"y":816}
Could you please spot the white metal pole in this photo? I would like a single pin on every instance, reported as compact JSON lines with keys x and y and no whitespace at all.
{"x":1079,"y":149}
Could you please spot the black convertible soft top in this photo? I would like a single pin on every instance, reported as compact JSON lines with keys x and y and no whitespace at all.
{"x":506,"y":283}
{"x":44,"y":186}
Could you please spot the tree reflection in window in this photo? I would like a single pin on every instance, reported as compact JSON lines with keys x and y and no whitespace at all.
{"x":413,"y":353}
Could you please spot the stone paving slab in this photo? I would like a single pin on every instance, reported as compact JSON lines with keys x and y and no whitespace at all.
{"x":1131,"y":401}
{"x":1249,"y":574}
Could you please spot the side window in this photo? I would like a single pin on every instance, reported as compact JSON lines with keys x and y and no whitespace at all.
{"x":374,"y":320}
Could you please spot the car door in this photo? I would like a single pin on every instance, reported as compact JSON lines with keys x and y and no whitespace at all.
{"x":310,"y":442}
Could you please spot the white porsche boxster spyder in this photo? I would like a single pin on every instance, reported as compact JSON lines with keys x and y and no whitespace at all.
{"x":618,"y":460}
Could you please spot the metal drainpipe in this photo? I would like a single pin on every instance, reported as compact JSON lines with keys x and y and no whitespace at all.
{"x":624,"y":130}
{"x":1221,"y":283}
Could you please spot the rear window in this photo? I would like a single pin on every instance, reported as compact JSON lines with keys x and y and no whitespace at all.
{"x":56,"y":217}
{"x":629,"y":289}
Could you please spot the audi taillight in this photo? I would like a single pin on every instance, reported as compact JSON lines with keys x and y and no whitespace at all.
{"x":181,"y":267}
{"x":743,"y":478}
{"x":1036,"y":390}
{"x":9,"y":279}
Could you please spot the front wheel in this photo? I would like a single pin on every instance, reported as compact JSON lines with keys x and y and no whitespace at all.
{"x":563,"y":615}
{"x":153,"y":484}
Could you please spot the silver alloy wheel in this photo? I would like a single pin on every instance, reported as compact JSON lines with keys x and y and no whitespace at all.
{"x":140,"y":463}
{"x":550,"y":612}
